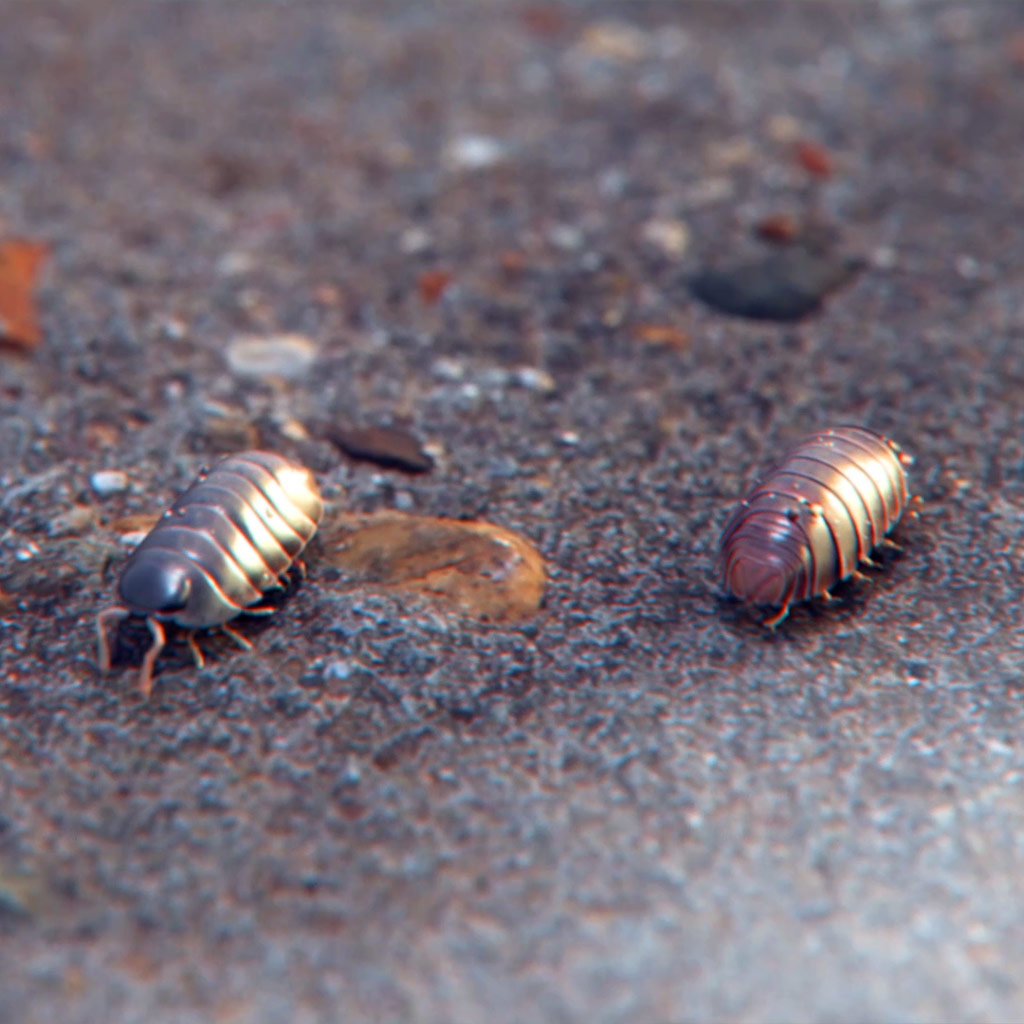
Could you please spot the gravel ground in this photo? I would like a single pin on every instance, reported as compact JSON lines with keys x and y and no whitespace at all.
{"x":482,"y":220}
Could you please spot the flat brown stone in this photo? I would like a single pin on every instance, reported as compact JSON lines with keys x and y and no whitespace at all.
{"x":476,"y":568}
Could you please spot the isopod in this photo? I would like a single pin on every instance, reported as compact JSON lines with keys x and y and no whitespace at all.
{"x":213,"y":554}
{"x":812,"y":519}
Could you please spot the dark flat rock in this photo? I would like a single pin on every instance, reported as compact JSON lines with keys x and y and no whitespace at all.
{"x":786,"y":285}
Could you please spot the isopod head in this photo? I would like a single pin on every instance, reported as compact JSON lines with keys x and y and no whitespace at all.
{"x":158,"y":586}
{"x":763,"y":563}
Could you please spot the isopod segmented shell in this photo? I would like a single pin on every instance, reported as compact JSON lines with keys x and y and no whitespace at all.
{"x":212,"y":555}
{"x":809,"y":521}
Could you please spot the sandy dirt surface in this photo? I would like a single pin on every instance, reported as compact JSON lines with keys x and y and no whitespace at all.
{"x":483,"y":222}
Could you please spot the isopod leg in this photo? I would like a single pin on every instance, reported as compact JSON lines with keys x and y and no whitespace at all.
{"x":197,"y":654}
{"x":890,"y":544}
{"x":237,"y":637}
{"x":114,"y":614}
{"x":773,"y":620}
{"x":259,"y":610}
{"x":146,"y":672}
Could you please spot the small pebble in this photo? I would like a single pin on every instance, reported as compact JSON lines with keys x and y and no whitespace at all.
{"x":235,"y":263}
{"x":414,"y":240}
{"x":614,"y":41}
{"x":106,"y":482}
{"x":534,"y":379}
{"x":566,"y":237}
{"x":338,"y":671}
{"x":294,"y":430}
{"x":286,"y":356}
{"x":449,"y":369}
{"x":474,"y":152}
{"x":670,"y":236}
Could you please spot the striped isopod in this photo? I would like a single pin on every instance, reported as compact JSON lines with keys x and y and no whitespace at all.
{"x":809,"y":522}
{"x":227,"y":539}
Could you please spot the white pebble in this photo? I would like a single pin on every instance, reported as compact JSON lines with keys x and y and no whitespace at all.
{"x":287,"y":356}
{"x":414,"y":240}
{"x":449,"y":369}
{"x":670,"y":236}
{"x":567,"y":237}
{"x":474,"y":152}
{"x":106,"y":482}
{"x":534,"y":379}
{"x":340,"y":670}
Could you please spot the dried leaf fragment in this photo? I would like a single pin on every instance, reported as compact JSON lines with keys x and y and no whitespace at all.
{"x":21,"y":260}
{"x":661,"y":335}
{"x":432,"y":284}
{"x":814,"y":158}
{"x":390,"y":447}
{"x":476,"y":568}
{"x":777,"y":228}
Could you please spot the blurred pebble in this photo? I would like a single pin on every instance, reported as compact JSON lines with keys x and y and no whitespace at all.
{"x":172,"y":329}
{"x":734,"y":152}
{"x":235,"y":263}
{"x":448,"y":369}
{"x":414,"y":240}
{"x":474,"y":152}
{"x":106,"y":482}
{"x":787,"y":285}
{"x":293,"y":430}
{"x":26,"y":552}
{"x":784,"y":128}
{"x":670,"y":236}
{"x":228,"y":428}
{"x":566,"y":237}
{"x":287,"y":356}
{"x":534,"y":379}
{"x":339,"y":671}
{"x":387,"y":446}
{"x":613,"y":41}
{"x":884,"y":258}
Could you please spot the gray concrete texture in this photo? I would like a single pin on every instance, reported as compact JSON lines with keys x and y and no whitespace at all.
{"x":638,"y":806}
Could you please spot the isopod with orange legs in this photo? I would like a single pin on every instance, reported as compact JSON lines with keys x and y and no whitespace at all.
{"x":213,"y":554}
{"x":810,"y":521}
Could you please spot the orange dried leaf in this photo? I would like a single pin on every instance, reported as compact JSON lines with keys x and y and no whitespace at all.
{"x":513,"y":262}
{"x":661,"y":334}
{"x":814,"y":158}
{"x":544,"y":20}
{"x":780,"y":228}
{"x":476,"y":568}
{"x":432,"y":285}
{"x":140,"y":522}
{"x":20,"y":263}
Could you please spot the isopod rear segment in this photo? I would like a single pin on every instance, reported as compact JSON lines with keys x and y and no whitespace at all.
{"x":213,"y":554}
{"x":811,"y":520}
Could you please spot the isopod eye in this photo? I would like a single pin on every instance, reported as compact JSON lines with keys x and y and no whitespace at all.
{"x":151,"y":588}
